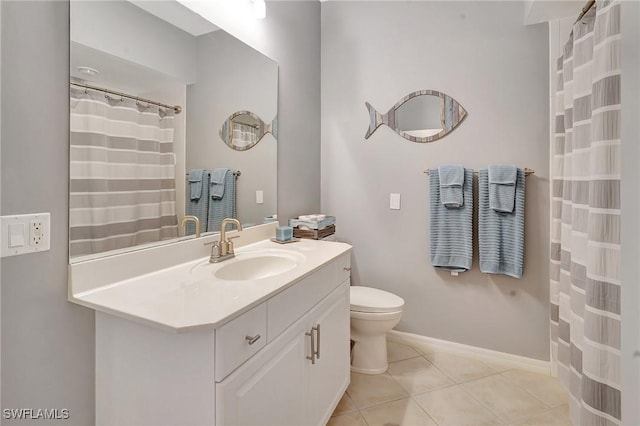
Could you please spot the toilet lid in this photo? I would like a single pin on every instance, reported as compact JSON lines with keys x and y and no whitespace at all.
{"x":367,"y":299}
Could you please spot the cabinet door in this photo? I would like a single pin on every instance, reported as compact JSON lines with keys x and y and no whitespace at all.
{"x":271,"y":388}
{"x":329,"y":376}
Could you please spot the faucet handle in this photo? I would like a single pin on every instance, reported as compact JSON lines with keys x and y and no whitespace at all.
{"x":215,"y":251}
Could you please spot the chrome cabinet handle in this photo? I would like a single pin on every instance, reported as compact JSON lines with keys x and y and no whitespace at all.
{"x":252,"y":340}
{"x":317,"y":328}
{"x":313,"y":347}
{"x":348,"y":269}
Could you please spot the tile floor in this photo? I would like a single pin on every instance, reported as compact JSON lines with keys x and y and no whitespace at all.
{"x":438,"y":388}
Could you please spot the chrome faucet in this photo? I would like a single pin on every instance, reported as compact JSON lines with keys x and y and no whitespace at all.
{"x":195,"y":220}
{"x":224,"y":249}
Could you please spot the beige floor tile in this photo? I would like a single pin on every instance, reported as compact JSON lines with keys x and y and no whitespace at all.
{"x":404,"y":412}
{"x":548,"y":389}
{"x":399,"y":352}
{"x":422,"y":348}
{"x":349,"y":419}
{"x":417,"y":375}
{"x":454,"y":406}
{"x":502,"y":397}
{"x":345,"y":405}
{"x":459,"y":368}
{"x":367,"y":390}
{"x":558,"y":416}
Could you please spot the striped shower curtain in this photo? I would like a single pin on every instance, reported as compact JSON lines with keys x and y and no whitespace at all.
{"x":585,"y":231}
{"x":122,"y":183}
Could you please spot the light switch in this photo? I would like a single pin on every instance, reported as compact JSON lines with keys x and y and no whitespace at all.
{"x":394,"y":201}
{"x":259,"y":197}
{"x":16,"y":235}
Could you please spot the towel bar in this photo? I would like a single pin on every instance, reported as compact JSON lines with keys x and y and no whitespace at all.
{"x":527,"y":171}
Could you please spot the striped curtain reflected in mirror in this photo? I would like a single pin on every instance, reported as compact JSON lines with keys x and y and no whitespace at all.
{"x":122,"y":173}
{"x":585,"y":231}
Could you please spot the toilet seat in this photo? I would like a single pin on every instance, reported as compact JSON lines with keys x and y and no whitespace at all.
{"x":373,"y":300}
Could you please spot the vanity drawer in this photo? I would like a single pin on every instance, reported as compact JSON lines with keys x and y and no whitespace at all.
{"x":239,"y":340}
{"x":344,"y":267}
{"x":285,"y":308}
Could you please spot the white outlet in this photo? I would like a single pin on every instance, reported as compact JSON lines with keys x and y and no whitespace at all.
{"x":25,"y":233}
{"x":37,"y":233}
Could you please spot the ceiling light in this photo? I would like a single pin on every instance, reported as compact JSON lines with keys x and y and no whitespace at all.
{"x":259,"y":9}
{"x":88,"y":71}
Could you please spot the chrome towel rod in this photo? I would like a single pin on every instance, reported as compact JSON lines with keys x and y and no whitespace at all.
{"x":176,"y":108}
{"x":236,"y":173}
{"x":527,"y":171}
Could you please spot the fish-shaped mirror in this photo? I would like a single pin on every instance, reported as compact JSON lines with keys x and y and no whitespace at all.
{"x":244,"y":129}
{"x":422,"y":116}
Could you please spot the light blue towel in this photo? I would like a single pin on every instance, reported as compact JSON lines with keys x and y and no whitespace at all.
{"x":451,"y":230}
{"x":451,"y":179}
{"x":199,"y":207}
{"x":500,"y":234}
{"x":218,"y":177}
{"x":225,"y":206}
{"x":502,"y":187}
{"x":195,"y":184}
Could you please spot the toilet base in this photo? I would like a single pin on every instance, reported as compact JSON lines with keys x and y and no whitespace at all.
{"x":369,"y":354}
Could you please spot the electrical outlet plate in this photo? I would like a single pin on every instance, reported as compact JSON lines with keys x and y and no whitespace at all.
{"x":26,"y":233}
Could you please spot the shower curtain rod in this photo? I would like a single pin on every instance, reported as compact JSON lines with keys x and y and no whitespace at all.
{"x":176,"y":108}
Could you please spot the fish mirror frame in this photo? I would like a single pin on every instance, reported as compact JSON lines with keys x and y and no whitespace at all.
{"x":260,"y":129}
{"x":451,"y":115}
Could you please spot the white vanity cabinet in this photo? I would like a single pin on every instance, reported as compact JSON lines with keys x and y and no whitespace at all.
{"x":287,"y":384}
{"x":283,"y":362}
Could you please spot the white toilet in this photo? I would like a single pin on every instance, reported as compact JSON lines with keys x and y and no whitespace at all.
{"x":373,"y":313}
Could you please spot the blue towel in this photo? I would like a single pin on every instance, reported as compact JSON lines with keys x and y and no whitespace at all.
{"x":195,"y":184}
{"x":500,"y":234}
{"x":199,"y":207}
{"x":218,"y":177}
{"x":502,"y":187}
{"x":451,"y":230}
{"x":223,"y":207}
{"x":451,"y":180}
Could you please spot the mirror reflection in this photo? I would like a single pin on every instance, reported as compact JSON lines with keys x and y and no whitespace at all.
{"x":244,"y":129}
{"x":420,"y":116}
{"x":137,"y":164}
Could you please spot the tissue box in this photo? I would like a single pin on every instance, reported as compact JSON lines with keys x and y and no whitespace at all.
{"x":313,"y":224}
{"x":284,"y":233}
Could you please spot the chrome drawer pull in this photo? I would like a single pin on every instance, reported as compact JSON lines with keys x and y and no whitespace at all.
{"x":347,"y":269}
{"x":313,"y":347}
{"x":252,"y":340}
{"x":317,"y":328}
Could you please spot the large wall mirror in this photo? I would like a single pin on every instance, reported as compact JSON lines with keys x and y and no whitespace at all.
{"x":137,"y":164}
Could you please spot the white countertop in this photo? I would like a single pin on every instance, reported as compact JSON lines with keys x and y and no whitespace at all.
{"x":179,"y":300}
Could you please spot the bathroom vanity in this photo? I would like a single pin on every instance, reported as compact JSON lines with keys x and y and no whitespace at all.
{"x":261,"y":339}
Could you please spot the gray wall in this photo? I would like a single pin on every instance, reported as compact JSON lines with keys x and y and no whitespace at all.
{"x":630,"y":226}
{"x":232,"y":76}
{"x":480,"y":54}
{"x":47,"y":343}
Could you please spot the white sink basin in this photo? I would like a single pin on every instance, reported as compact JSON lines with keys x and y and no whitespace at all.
{"x":252,"y":265}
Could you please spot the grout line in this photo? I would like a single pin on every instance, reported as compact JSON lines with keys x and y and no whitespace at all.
{"x":503,"y":420}
{"x":423,"y":410}
{"x":530,"y":393}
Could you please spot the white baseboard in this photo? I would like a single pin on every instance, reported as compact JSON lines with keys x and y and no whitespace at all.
{"x":481,"y":354}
